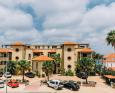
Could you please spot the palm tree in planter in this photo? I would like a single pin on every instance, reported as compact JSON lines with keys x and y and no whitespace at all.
{"x":47,"y":67}
{"x":23,"y":66}
{"x":86,"y":65}
{"x":111,"y":38}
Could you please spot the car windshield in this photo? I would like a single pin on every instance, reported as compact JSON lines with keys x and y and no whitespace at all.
{"x":7,"y":73}
{"x":1,"y":82}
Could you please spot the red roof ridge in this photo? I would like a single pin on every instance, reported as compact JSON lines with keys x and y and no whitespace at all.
{"x":18,"y":43}
{"x":69,"y":43}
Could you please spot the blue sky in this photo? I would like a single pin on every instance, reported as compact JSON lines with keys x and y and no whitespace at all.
{"x":55,"y":21}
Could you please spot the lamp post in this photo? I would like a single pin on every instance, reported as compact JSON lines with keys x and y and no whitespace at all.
{"x":6,"y":77}
{"x":6,"y":71}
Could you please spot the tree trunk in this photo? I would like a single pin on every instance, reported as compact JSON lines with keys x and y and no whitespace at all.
{"x":23,"y":75}
{"x":48,"y":76}
{"x":86,"y":81}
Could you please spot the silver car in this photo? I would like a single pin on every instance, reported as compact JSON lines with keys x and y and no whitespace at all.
{"x":56,"y":84}
{"x":1,"y":83}
{"x":7,"y":75}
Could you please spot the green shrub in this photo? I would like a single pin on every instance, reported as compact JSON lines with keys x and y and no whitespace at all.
{"x":43,"y":75}
{"x":98,"y":71}
{"x":69,"y":73}
{"x":113,"y":73}
{"x":62,"y":71}
{"x":106,"y":72}
{"x":93,"y":73}
{"x":37,"y":73}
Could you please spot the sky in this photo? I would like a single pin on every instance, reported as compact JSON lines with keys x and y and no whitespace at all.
{"x":56,"y":21}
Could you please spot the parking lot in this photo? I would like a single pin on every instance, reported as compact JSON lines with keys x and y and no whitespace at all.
{"x":34,"y":86}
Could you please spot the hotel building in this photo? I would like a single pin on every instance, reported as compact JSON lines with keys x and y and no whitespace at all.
{"x":70,"y":53}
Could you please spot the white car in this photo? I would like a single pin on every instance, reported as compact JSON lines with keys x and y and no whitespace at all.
{"x":1,"y":83}
{"x":56,"y":84}
{"x":7,"y":75}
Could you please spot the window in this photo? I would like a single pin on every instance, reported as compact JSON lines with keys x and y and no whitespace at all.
{"x":52,"y":82}
{"x":69,"y":58}
{"x":54,"y":46}
{"x":84,"y":55}
{"x":48,"y":47}
{"x":69,"y":49}
{"x":5,"y":55}
{"x":69,"y":66}
{"x":17,"y":50}
{"x":104,"y":58}
{"x":35,"y":47}
{"x":56,"y":83}
{"x":17,"y":58}
{"x":28,"y":46}
{"x":29,"y":56}
{"x":58,"y":65}
{"x":82,"y":46}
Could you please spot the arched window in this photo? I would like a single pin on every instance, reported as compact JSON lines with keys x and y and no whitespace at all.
{"x":69,"y":49}
{"x":69,"y":58}
{"x":17,"y":58}
{"x":69,"y":66}
{"x":17,"y":50}
{"x":29,"y":56}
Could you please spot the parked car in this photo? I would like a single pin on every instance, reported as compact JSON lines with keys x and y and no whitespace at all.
{"x":30,"y":74}
{"x":13,"y":83}
{"x":72,"y":85}
{"x":1,"y":74}
{"x":1,"y":83}
{"x":56,"y":84}
{"x":7,"y":75}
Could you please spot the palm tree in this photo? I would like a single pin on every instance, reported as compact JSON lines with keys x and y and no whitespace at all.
{"x":23,"y":66}
{"x":11,"y":67}
{"x":86,"y":65}
{"x":57,"y":60}
{"x":111,"y":38}
{"x":97,"y":56}
{"x":47,"y":66}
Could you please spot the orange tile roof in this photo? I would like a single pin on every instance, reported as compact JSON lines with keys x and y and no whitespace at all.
{"x":18,"y":44}
{"x":109,"y":58}
{"x":109,"y":76}
{"x":42,"y":58}
{"x":3,"y":50}
{"x":52,"y":51}
{"x":70,"y":43}
{"x":37,"y":50}
{"x":112,"y":68}
{"x":86,"y":50}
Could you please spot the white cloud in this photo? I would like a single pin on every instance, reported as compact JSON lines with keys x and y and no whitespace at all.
{"x":63,"y":20}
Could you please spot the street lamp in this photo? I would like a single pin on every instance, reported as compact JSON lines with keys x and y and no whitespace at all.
{"x":6,"y":70}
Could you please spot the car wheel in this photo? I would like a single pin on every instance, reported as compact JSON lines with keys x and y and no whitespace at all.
{"x":71,"y":89}
{"x":48,"y":85}
{"x":56,"y":87}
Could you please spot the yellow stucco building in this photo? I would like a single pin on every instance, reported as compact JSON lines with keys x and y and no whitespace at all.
{"x":70,"y":53}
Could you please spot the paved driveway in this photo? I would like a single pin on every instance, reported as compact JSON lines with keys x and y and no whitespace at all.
{"x":34,"y":86}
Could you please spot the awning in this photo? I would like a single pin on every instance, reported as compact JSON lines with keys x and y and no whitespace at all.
{"x":86,"y":50}
{"x":42,"y":58}
{"x":4,"y":50}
